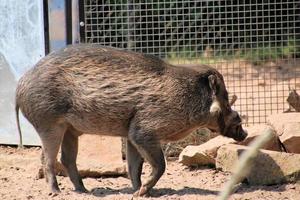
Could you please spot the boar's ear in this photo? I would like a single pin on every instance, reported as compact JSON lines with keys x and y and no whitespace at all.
{"x":212,"y":79}
{"x":233,"y":100}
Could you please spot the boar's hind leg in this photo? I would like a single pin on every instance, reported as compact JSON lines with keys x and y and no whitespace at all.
{"x":69,"y":150}
{"x":149,"y":147}
{"x":51,"y":139}
{"x":135,"y":165}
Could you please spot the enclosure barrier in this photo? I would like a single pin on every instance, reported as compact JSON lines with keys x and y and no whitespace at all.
{"x":255,"y":44}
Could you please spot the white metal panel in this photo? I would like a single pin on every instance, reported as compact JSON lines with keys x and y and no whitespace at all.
{"x":21,"y":46}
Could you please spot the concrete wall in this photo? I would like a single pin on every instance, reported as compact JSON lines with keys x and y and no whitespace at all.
{"x":21,"y":46}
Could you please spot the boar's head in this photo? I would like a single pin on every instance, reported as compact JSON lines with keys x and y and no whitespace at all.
{"x":223,"y":119}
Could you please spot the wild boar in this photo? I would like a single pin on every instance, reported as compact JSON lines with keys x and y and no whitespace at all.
{"x":92,"y":89}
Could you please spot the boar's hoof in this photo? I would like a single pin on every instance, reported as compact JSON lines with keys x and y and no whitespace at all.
{"x":81,"y":190}
{"x":142,"y":192}
{"x":40,"y":174}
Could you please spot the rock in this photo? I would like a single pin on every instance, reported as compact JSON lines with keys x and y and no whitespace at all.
{"x":203,"y":154}
{"x":195,"y":155}
{"x":294,"y":100}
{"x":290,"y":137}
{"x":198,"y":137}
{"x":256,"y":130}
{"x":100,"y":153}
{"x":97,"y":156}
{"x":206,"y":153}
{"x":287,"y":126}
{"x":278,"y":121}
{"x":269,"y":167}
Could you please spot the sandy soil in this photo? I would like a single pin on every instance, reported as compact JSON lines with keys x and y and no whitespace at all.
{"x":18,"y":169}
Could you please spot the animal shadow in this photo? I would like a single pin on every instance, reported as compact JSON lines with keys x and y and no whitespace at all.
{"x":155,"y":193}
{"x":106,"y":191}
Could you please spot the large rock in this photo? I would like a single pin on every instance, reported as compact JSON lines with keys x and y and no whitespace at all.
{"x":254,"y":131}
{"x":203,"y":154}
{"x":290,"y":137}
{"x":100,"y":155}
{"x":269,"y":167}
{"x":279,"y":121}
{"x":97,"y":156}
{"x":287,"y":126}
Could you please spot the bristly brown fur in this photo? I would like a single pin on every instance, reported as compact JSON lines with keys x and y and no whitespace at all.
{"x":88,"y":86}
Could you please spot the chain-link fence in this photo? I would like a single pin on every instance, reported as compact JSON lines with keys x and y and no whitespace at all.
{"x":255,"y":44}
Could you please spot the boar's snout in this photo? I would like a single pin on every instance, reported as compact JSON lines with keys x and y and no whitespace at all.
{"x":233,"y":127}
{"x":241,"y":135}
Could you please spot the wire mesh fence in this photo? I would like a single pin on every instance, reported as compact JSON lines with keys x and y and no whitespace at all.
{"x":255,"y":44}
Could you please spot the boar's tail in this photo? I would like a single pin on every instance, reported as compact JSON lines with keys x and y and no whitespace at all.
{"x":19,"y":127}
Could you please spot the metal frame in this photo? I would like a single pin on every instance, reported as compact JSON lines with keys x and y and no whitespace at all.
{"x":62,"y":23}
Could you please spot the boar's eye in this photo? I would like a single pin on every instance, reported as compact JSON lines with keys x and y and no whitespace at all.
{"x":238,"y":120}
{"x":225,"y":96}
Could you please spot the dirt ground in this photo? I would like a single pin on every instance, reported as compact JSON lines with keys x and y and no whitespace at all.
{"x":18,"y":169}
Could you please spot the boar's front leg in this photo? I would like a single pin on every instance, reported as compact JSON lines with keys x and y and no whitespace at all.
{"x":135,"y":165}
{"x":149,"y":147}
